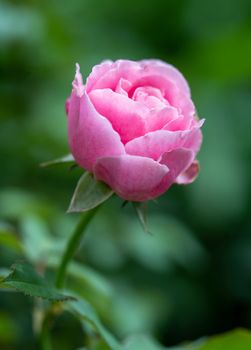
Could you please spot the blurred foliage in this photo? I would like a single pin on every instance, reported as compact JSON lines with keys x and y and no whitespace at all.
{"x":191,"y":276}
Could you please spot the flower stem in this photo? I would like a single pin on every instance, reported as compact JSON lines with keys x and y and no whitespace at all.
{"x":45,"y":339}
{"x":72,"y":246}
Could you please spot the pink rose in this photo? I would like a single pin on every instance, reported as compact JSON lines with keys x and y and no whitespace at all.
{"x":134,"y":126}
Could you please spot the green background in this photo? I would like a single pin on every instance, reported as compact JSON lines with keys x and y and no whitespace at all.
{"x":192,"y":276}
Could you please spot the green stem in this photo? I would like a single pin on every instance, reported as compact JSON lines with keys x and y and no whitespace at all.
{"x":72,"y":246}
{"x":45,"y":339}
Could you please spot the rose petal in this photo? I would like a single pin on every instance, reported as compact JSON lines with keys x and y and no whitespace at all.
{"x":194,"y":142}
{"x":153,"y":73}
{"x":77,"y":83}
{"x":125,"y":114}
{"x":108,"y":77}
{"x":155,"y":144}
{"x":176,"y":97}
{"x":157,"y":119}
{"x":189,"y":175}
{"x":177,"y":161}
{"x":131,"y":177}
{"x":97,"y":72}
{"x":123,"y":87}
{"x":170,"y":71}
{"x":109,"y":71}
{"x":179,"y":123}
{"x":90,"y":135}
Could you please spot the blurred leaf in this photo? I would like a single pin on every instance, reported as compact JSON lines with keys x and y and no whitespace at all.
{"x":25,"y":279}
{"x":95,"y":343}
{"x":4,"y":272}
{"x":149,"y":307}
{"x":87,"y":283}
{"x":146,"y":342}
{"x":16,"y":203}
{"x":170,"y":244}
{"x":195,"y":345}
{"x":88,"y":194}
{"x":142,"y":342}
{"x":19,"y":22}
{"x":65,"y":159}
{"x":239,"y":339}
{"x":85,"y":312}
{"x":36,"y":238}
{"x":9,"y":239}
{"x":8,"y":329}
{"x":91,"y":278}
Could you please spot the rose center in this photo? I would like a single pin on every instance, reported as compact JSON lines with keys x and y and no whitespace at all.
{"x":150,"y":97}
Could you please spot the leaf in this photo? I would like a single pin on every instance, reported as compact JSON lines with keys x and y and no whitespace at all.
{"x":239,"y":339}
{"x":65,"y":159}
{"x":85,"y":312}
{"x":25,"y":279}
{"x":86,"y":282}
{"x":141,"y":214}
{"x":195,"y":345}
{"x":88,"y":194}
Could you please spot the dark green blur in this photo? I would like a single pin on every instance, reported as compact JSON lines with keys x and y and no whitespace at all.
{"x":192,"y":276}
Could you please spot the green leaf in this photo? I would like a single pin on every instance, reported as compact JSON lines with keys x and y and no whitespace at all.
{"x":85,"y":312}
{"x":88,"y":194}
{"x":65,"y":159}
{"x":195,"y":345}
{"x":239,"y":339}
{"x":140,"y":208}
{"x":86,"y":282}
{"x":25,"y":279}
{"x":146,"y":342}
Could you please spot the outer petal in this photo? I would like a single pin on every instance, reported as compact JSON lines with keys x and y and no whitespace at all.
{"x":155,"y":144}
{"x":189,"y":175}
{"x":90,"y":135}
{"x":132,"y":178}
{"x":177,"y":161}
{"x":97,"y":72}
{"x":126,"y":115}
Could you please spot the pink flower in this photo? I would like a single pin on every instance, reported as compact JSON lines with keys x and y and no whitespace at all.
{"x":134,"y":126}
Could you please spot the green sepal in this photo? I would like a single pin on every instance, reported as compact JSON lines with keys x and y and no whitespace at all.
{"x":88,"y":194}
{"x":141,"y":211}
{"x":65,"y":159}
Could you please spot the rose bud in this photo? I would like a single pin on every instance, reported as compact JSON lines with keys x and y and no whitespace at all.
{"x":133,"y":125}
